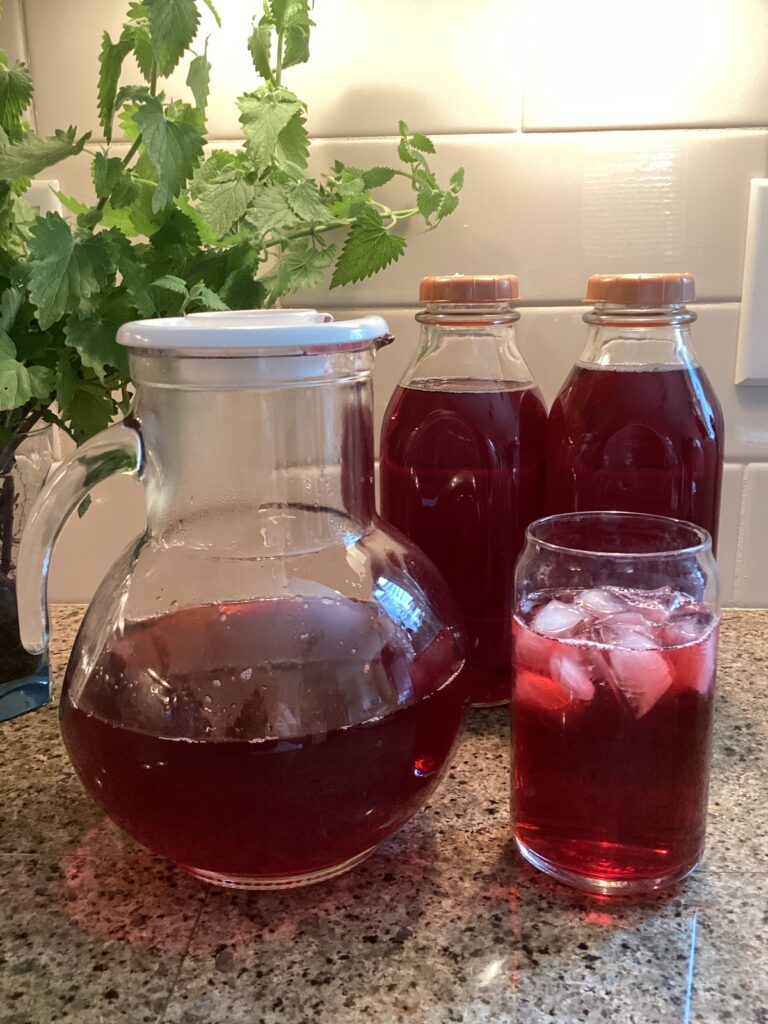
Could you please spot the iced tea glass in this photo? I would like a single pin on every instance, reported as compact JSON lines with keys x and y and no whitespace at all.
{"x":615,"y":647}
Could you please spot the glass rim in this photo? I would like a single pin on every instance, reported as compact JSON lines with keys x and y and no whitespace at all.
{"x":703,"y":544}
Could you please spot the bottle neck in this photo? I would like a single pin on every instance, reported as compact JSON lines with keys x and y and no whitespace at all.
{"x":624,"y":336}
{"x":471,"y":343}
{"x":260,"y":470}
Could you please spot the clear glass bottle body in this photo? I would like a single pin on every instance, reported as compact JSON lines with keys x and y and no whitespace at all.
{"x":636,"y":426}
{"x":462,"y":470}
{"x":266,"y":683}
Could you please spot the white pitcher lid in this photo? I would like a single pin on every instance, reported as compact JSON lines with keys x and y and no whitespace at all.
{"x":249,"y":328}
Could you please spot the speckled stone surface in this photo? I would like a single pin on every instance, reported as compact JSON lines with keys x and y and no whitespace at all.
{"x":443,"y":924}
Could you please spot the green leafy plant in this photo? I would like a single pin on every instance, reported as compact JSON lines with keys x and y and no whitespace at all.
{"x":175,"y":227}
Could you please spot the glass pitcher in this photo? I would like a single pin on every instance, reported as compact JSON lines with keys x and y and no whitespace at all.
{"x":267,"y":682}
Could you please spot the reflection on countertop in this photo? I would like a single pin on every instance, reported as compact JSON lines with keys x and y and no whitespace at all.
{"x":444,"y":923}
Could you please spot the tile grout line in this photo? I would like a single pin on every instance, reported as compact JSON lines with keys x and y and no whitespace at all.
{"x":183,"y":958}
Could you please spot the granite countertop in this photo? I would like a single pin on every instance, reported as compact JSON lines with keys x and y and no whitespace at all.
{"x":443,"y":924}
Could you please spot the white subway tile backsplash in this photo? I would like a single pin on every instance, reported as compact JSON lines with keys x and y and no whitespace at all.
{"x":751,"y":590}
{"x":730,"y":516}
{"x":556,"y":208}
{"x":603,"y":64}
{"x":360,"y":79}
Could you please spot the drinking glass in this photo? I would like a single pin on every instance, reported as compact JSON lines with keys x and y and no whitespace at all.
{"x":615,"y":646}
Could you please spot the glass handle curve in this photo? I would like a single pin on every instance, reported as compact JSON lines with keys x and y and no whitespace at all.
{"x":118,"y":449}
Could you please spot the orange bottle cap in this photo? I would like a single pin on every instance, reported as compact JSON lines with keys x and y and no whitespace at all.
{"x":641,"y":289}
{"x":468,"y":289}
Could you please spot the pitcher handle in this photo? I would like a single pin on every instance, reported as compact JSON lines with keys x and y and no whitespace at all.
{"x":118,"y":449}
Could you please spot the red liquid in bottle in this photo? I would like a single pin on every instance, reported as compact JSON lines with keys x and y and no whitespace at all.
{"x":188,"y":780}
{"x":637,"y":441}
{"x":612,"y":724}
{"x":462,"y":477}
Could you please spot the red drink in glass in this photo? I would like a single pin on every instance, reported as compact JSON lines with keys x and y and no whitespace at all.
{"x":637,"y":440}
{"x":462,"y":475}
{"x":612,"y":713}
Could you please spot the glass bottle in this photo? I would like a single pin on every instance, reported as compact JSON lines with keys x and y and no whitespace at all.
{"x":267,"y":682}
{"x":462,"y":454}
{"x":637,"y":427}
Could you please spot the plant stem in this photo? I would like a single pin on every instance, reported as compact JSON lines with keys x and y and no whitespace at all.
{"x":316,"y":229}
{"x":279,"y":65}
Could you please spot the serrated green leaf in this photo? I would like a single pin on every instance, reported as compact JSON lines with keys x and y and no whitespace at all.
{"x":205,"y":233}
{"x":173,"y":147}
{"x":304,"y":199}
{"x":131,"y":94}
{"x":293,"y":16}
{"x":134,"y":273}
{"x":428,"y":202}
{"x":107,"y":172}
{"x":7,"y":347}
{"x":377,"y":176}
{"x":404,"y":151}
{"x":368,"y":248}
{"x":15,"y":93}
{"x":448,"y":204}
{"x":265,"y":115}
{"x":422,"y":143}
{"x":110,"y":66}
{"x":34,"y":153}
{"x":137,"y":218}
{"x":15,"y":388}
{"x":172,"y":27}
{"x":199,"y":80}
{"x":270,"y":209}
{"x":223,"y":204}
{"x":184,"y":113}
{"x":260,"y":47}
{"x":292,"y":152}
{"x":95,"y":341}
{"x":41,"y":382}
{"x":141,"y":42}
{"x":220,"y":166}
{"x":457,"y":180}
{"x":172,"y":283}
{"x":299,"y":266}
{"x":203,"y":296}
{"x":233,"y":276}
{"x":64,"y":272}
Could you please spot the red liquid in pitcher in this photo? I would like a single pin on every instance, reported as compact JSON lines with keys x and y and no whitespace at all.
{"x":612,"y":711}
{"x":462,"y":476}
{"x":188,"y":779}
{"x":637,"y":441}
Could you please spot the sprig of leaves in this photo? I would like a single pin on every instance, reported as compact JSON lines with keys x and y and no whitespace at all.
{"x":175,"y":229}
